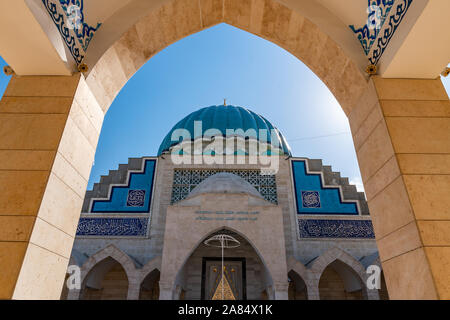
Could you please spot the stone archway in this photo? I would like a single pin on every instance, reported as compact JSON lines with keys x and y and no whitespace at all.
{"x":265,"y":235}
{"x":340,"y":267}
{"x":298,"y":290}
{"x":246,"y":271}
{"x":307,"y":276}
{"x":267,"y":19}
{"x":392,"y":121}
{"x":149,"y":289}
{"x":149,"y":277}
{"x":339,"y":282}
{"x":102,"y":262}
{"x":107,"y":280}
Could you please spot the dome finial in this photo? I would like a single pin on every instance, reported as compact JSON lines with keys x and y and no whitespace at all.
{"x":225,"y":102}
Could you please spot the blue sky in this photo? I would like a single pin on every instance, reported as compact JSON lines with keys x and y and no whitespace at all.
{"x":202,"y":70}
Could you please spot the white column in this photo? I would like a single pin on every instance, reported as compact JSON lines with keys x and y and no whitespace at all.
{"x":281,"y":291}
{"x":165,"y":291}
{"x":134,"y":289}
{"x":312,"y":286}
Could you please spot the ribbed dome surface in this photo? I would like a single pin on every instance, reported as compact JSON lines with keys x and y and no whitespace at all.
{"x":223,"y":118}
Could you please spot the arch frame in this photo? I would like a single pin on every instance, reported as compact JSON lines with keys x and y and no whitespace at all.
{"x":337,"y":254}
{"x":383,"y":137}
{"x":312,"y":288}
{"x":176,"y":286}
{"x":135,"y":10}
{"x":113,"y":252}
{"x":179,"y":243}
{"x":280,"y":24}
{"x":151,"y":266}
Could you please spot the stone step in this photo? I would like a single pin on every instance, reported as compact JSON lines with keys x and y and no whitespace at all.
{"x":115,"y":177}
{"x":135,"y":163}
{"x":105,"y":179}
{"x":315,"y":164}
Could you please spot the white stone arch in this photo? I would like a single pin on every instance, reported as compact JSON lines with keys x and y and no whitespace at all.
{"x":337,"y":254}
{"x":153,"y":264}
{"x":175,"y":284}
{"x":115,"y":61}
{"x":307,"y":275}
{"x":208,"y":234}
{"x":149,"y":267}
{"x":333,"y":254}
{"x":111,"y":251}
{"x":135,"y":10}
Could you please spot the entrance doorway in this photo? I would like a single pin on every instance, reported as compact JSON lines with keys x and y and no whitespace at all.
{"x":246,"y":277}
{"x":234,"y":284}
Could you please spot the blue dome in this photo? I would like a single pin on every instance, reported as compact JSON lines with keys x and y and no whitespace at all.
{"x":223,"y":118}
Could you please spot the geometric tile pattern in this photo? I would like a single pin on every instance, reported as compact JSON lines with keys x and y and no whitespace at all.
{"x":313,"y":198}
{"x":385,"y":38}
{"x":374,"y":40}
{"x":112,"y":227}
{"x":185,"y":180}
{"x":378,"y":11}
{"x":68,"y":16}
{"x":339,"y":229}
{"x":135,"y":197}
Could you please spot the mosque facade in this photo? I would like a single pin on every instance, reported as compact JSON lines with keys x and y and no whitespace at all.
{"x":295,"y":228}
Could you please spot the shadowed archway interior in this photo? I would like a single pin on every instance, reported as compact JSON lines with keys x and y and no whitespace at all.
{"x":245,"y":273}
{"x":106,"y":281}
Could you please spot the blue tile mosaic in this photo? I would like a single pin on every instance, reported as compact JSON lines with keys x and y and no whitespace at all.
{"x":136,"y":198}
{"x":341,"y":229}
{"x":390,"y":14}
{"x":310,"y":199}
{"x":112,"y":227}
{"x":69,"y":18}
{"x":394,"y":22}
{"x":132,"y":198}
{"x":378,"y":11}
{"x":313,"y":198}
